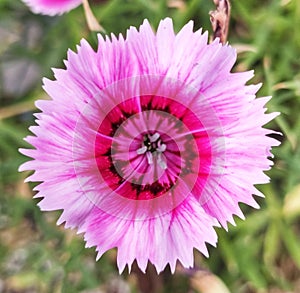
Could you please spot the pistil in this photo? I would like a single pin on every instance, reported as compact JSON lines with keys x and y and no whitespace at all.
{"x":152,"y":146}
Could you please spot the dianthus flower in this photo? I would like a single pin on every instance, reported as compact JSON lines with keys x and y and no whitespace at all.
{"x":52,"y":7}
{"x":150,"y":142}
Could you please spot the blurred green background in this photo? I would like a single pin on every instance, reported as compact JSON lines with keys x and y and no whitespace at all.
{"x":261,"y":254}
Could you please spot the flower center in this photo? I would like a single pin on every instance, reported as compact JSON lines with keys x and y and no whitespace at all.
{"x":153,"y":147}
{"x":151,"y":150}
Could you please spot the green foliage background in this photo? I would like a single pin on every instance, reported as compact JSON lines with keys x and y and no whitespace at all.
{"x":260,"y":254}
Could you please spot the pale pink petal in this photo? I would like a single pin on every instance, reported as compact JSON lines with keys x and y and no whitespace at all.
{"x":52,"y":7}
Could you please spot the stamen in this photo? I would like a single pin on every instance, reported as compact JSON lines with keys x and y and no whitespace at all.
{"x":154,"y":137}
{"x":161,"y":147}
{"x":161,"y":162}
{"x":149,"y":158}
{"x":141,"y":150}
{"x":153,"y":147}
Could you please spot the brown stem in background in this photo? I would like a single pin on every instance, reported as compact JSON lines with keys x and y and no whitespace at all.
{"x":219,"y":19}
{"x":149,"y":282}
{"x":91,"y":20}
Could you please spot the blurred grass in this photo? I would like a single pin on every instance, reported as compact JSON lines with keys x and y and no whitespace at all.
{"x":261,"y":254}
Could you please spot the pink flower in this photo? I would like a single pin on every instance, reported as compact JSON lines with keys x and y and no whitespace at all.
{"x":148,"y":143}
{"x":52,"y":7}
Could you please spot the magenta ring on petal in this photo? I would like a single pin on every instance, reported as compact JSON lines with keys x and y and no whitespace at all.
{"x":106,"y":188}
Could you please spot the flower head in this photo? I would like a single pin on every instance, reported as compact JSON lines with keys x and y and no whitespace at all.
{"x":52,"y":7}
{"x":148,"y":143}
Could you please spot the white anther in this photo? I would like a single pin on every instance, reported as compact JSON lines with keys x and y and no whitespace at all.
{"x":154,"y":137}
{"x":161,"y":162}
{"x":149,"y":158}
{"x":141,"y":150}
{"x":161,"y":147}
